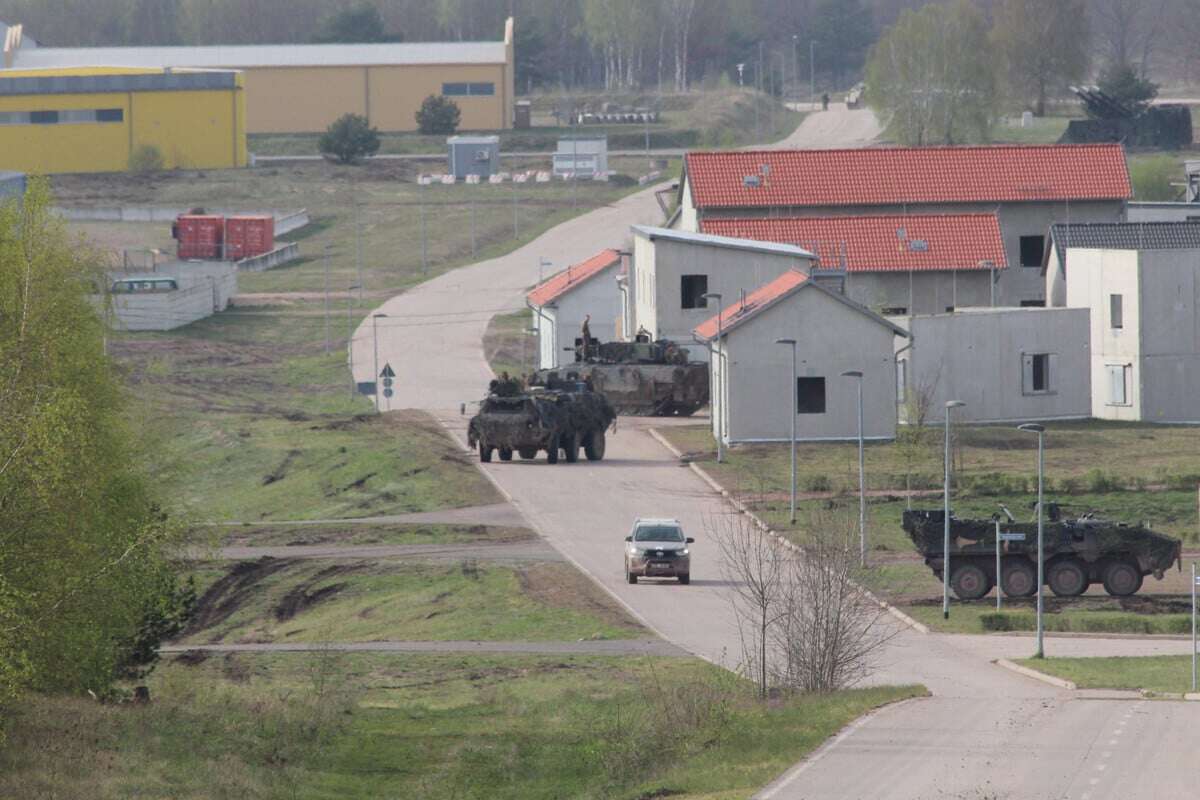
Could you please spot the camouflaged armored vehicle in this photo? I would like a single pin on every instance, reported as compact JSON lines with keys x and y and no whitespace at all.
{"x":561,"y":421}
{"x":639,"y":378}
{"x":1078,"y":552}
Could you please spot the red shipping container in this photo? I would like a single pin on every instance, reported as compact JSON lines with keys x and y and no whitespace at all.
{"x":200,"y":236}
{"x":248,"y":236}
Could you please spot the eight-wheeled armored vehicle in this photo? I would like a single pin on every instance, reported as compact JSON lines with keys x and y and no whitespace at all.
{"x":559,"y":421}
{"x":639,"y":378}
{"x":1077,"y":553}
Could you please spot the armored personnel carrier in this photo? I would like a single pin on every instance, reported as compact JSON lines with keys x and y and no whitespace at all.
{"x":1078,"y":552}
{"x":639,"y":378}
{"x":559,"y":421}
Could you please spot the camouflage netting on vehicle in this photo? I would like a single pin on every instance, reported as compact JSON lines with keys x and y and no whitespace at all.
{"x":526,"y":422}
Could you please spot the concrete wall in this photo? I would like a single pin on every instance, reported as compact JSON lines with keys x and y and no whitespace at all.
{"x":757,"y":400}
{"x":660,"y":265}
{"x":203,"y":129}
{"x":598,"y":296}
{"x":1170,"y":335}
{"x":205,"y":287}
{"x":1095,"y":275}
{"x":1162,"y":212}
{"x":1015,"y":284}
{"x":920,"y":292}
{"x":978,"y":356}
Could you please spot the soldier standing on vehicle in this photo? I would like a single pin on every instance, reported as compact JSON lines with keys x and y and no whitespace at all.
{"x":586,"y":335}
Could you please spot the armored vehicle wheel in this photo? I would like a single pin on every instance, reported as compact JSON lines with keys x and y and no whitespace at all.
{"x":1122,"y":578}
{"x":506,"y":454}
{"x":630,"y":577}
{"x":528,"y":453}
{"x":485,"y":453}
{"x":970,"y":582}
{"x":1019,"y":579}
{"x":1067,"y":578}
{"x":552,"y":451}
{"x":570,"y":447}
{"x":593,"y":446}
{"x":685,"y":578}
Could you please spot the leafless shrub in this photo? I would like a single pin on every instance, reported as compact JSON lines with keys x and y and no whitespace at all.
{"x":805,"y":621}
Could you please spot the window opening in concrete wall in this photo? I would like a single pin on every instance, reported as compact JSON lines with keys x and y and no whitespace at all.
{"x":1115,"y":317}
{"x":692,"y":291}
{"x":1033,"y":304}
{"x":1118,"y":384}
{"x":810,"y":395}
{"x":63,"y":117}
{"x":893,"y":311}
{"x":902,"y":380}
{"x":1032,"y":250}
{"x":468,"y":89}
{"x":1037,"y":372}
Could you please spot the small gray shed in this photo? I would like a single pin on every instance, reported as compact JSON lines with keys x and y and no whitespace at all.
{"x":12,"y":184}
{"x":474,"y":155}
{"x":583,"y":156}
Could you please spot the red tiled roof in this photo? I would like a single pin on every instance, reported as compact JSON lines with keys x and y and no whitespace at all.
{"x":756,"y":300}
{"x":914,"y":175}
{"x":880,"y":243}
{"x":560,"y":283}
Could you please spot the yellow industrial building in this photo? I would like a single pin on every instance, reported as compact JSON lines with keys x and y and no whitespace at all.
{"x":303,"y":88}
{"x":92,"y":119}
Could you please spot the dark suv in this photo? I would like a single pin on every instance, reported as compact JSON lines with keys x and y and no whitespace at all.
{"x":657,"y":548}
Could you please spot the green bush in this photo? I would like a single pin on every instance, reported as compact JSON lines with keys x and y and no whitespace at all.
{"x":1087,"y":622}
{"x":1097,"y":481}
{"x":818,"y":483}
{"x":1152,"y":177}
{"x":438,"y":115}
{"x":349,"y":138}
{"x":145,"y":159}
{"x":1182,"y":481}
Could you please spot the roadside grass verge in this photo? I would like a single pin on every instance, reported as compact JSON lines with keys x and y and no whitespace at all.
{"x":313,"y":600}
{"x":437,"y":727}
{"x":1166,"y":674}
{"x":507,"y":346}
{"x":1087,"y":614}
{"x":365,"y":534}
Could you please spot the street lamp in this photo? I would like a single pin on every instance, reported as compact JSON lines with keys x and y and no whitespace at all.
{"x":791,"y":407}
{"x":796,"y":53}
{"x":525,"y":347}
{"x":950,"y":405}
{"x":375,"y":338}
{"x":350,"y":333}
{"x":712,"y":371}
{"x":1040,"y":430}
{"x":862,"y":480}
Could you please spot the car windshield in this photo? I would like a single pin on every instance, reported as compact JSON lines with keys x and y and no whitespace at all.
{"x":658,"y":533}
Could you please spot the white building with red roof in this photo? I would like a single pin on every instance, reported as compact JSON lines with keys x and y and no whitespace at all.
{"x":561,"y":302}
{"x":893,"y":264}
{"x":1028,"y":187}
{"x":754,"y":399}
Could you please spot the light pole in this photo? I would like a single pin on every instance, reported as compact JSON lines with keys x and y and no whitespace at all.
{"x":1040,"y":430}
{"x":791,"y":407}
{"x":375,"y":339}
{"x":350,"y":334}
{"x":950,"y":406}
{"x":796,"y":53}
{"x":862,"y":473}
{"x":712,"y":372}
{"x":812,"y":70}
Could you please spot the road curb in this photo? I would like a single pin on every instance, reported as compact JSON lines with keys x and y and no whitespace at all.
{"x":1033,"y":673}
{"x":765,"y":528}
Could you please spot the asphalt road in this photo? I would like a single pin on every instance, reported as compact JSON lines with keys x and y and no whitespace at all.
{"x":985,"y":732}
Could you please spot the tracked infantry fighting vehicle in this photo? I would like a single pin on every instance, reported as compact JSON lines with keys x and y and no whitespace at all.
{"x":1078,"y":552}
{"x":639,"y":378}
{"x":559,"y":421}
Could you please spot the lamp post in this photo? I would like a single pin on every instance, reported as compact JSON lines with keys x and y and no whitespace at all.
{"x":796,"y":53}
{"x":1040,"y":430}
{"x":862,"y":479}
{"x":350,"y":333}
{"x":791,"y":407}
{"x":950,"y":406}
{"x":375,"y":340}
{"x":712,"y":371}
{"x":812,"y":70}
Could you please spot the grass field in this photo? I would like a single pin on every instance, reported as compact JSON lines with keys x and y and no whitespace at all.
{"x":1086,"y":615}
{"x":364,"y":534}
{"x":1166,"y":674}
{"x":508,"y":346}
{"x":1043,"y":130}
{"x":360,"y":601}
{"x":434,"y":727}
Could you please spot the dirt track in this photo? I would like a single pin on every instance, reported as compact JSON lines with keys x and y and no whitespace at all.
{"x":600,"y":647}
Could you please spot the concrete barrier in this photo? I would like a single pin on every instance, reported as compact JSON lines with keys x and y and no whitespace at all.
{"x":286,"y":221}
{"x":280,"y":255}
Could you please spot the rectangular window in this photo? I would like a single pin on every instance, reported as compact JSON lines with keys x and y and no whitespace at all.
{"x":14,"y":117}
{"x":77,"y":115}
{"x":893,"y":311}
{"x":110,"y":115}
{"x":1033,"y":304}
{"x":902,"y":380}
{"x":1032,"y":250}
{"x":65,"y":116}
{"x":1115,"y":317}
{"x":468,"y":89}
{"x":810,"y":395}
{"x":692,"y":291}
{"x":43,"y":117}
{"x":1118,"y":384}
{"x":1037,"y":372}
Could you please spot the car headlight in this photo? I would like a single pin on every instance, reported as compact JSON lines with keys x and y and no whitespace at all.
{"x":685,"y":552}
{"x":634,"y":551}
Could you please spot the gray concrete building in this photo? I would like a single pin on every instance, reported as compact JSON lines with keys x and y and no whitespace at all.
{"x":1028,"y":187}
{"x":673,"y":270}
{"x":174,"y":294}
{"x":753,"y":399}
{"x":562,"y":302}
{"x":1006,"y":364}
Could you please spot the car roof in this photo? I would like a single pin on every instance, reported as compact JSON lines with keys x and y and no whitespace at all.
{"x":656,"y":521}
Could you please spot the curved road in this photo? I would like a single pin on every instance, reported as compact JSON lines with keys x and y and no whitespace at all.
{"x":985,"y":732}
